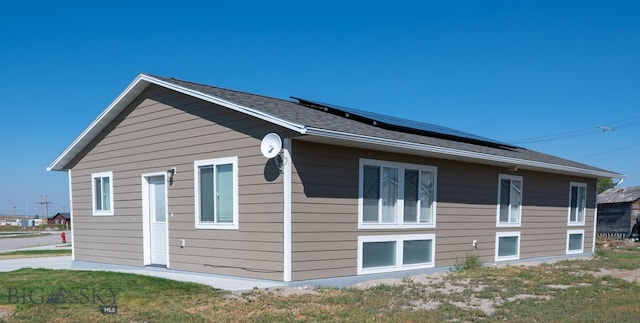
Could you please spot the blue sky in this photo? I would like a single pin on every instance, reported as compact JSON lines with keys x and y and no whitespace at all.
{"x":542,"y":74}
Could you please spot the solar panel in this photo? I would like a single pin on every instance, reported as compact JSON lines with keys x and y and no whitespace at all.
{"x":405,"y":125}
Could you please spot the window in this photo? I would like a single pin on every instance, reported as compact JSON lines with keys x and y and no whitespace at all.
{"x":396,"y":194}
{"x":575,"y":241}
{"x":577,"y":203}
{"x":216,"y":193}
{"x":102,"y":193}
{"x":507,"y":246}
{"x":509,"y":200}
{"x":378,"y":254}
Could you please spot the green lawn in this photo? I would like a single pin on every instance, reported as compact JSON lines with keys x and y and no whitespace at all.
{"x":35,"y":253}
{"x":569,"y":291}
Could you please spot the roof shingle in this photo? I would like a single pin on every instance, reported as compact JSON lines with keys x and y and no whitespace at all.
{"x":315,"y":118}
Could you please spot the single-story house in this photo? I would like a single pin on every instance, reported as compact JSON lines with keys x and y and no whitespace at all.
{"x":60,"y":218}
{"x":204,"y":179}
{"x":618,"y":211}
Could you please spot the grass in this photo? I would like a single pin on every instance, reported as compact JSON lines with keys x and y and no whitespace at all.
{"x":34,"y":253}
{"x":472,"y":261}
{"x":37,"y":228}
{"x":565,"y":291}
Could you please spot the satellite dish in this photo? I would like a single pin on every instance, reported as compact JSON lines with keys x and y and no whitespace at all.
{"x":271,"y":145}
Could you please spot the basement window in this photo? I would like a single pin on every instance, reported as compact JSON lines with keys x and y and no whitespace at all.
{"x":377,"y":254}
{"x":575,"y":241}
{"x":507,"y":246}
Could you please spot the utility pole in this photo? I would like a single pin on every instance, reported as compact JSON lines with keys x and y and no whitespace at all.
{"x":45,"y":203}
{"x":46,"y":197}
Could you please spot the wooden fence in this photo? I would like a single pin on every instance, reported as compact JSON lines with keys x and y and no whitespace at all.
{"x":612,"y":235}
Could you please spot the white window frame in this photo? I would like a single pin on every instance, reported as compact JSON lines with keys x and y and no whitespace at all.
{"x":569,"y":233}
{"x":584,"y":215}
{"x":95,"y":210}
{"x":509,"y":224}
{"x":196,"y":179}
{"x":399,"y":216}
{"x":399,"y":240}
{"x":506,"y":235}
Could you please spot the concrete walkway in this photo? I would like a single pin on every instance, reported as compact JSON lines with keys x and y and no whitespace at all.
{"x":65,"y":262}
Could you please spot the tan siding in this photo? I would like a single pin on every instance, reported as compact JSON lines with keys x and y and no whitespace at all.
{"x":166,"y":129}
{"x":325,"y":210}
{"x":200,"y":244}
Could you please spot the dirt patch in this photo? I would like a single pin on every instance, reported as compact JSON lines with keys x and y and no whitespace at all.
{"x":439,"y":285}
{"x":628,"y":275}
{"x":6,"y":310}
{"x":435,"y":279}
{"x":306,"y":289}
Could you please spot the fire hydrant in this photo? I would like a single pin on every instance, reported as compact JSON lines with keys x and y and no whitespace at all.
{"x":63,"y":236}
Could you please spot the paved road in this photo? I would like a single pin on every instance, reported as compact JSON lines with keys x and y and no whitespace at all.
{"x":47,"y":238}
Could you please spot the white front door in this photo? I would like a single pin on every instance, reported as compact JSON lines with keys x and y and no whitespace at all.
{"x":158,"y":219}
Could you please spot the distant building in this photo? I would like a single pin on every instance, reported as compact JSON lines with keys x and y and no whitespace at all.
{"x":60,"y":218}
{"x":26,"y":222}
{"x":618,"y":209}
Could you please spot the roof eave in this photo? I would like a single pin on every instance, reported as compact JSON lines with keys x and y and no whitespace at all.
{"x":457,"y":154}
{"x":134,"y":89}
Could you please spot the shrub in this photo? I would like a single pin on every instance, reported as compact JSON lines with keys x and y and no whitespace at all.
{"x":472,"y":261}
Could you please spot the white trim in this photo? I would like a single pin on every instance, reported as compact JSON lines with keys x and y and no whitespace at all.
{"x":196,"y":187}
{"x":399,"y":216}
{"x":287,"y":210}
{"x":398,"y":239}
{"x":569,"y":233}
{"x":584,"y":218}
{"x":73,"y":245}
{"x":243,"y":109}
{"x":146,"y":223}
{"x":505,"y":235}
{"x":95,"y":212}
{"x":500,"y":224}
{"x":522,"y":163}
{"x":595,"y":222}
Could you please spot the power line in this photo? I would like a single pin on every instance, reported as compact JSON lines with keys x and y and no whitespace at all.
{"x":45,"y":203}
{"x":608,"y":151}
{"x":607,"y":127}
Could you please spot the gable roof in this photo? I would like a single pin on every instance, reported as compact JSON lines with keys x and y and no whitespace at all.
{"x":65,"y":215}
{"x":619,"y":195}
{"x":316,"y":122}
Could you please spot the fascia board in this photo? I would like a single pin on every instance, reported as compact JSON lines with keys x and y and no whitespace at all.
{"x":459,"y":153}
{"x":130,"y":93}
{"x":246,"y":110}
